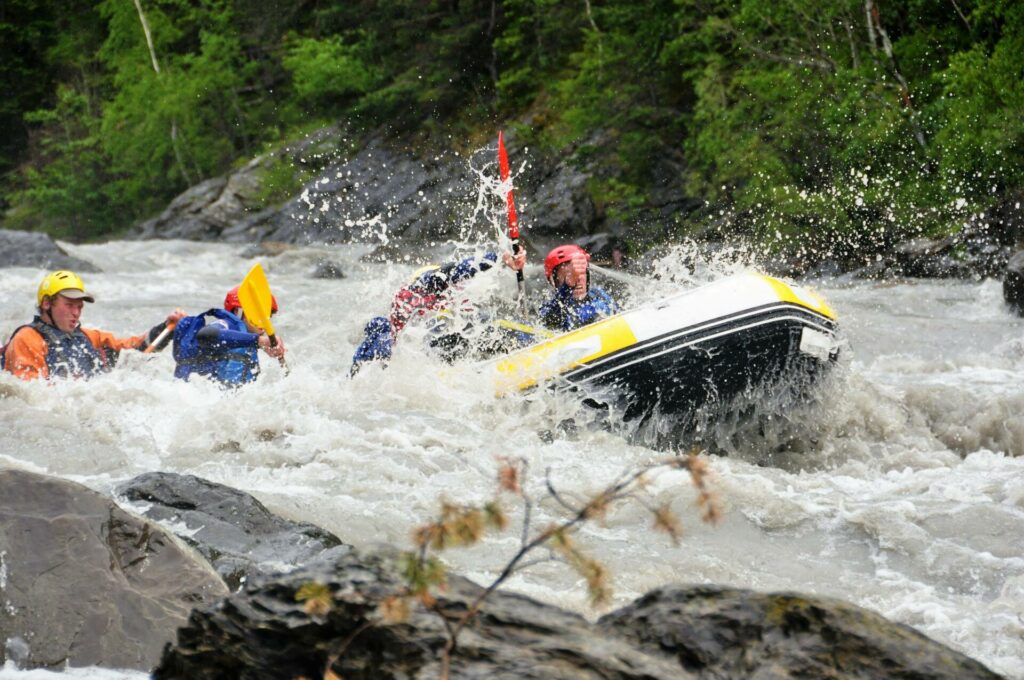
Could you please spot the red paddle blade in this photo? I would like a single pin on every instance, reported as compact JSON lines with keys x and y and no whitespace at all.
{"x":513,"y":219}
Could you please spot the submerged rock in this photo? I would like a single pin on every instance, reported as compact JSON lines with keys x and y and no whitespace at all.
{"x":720,"y":632}
{"x":233,"y":530}
{"x":84,"y":583}
{"x":36,"y":249}
{"x":328,"y":269}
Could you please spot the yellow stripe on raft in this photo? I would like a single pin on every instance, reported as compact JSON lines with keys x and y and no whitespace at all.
{"x":809,"y":299}
{"x":552,"y":357}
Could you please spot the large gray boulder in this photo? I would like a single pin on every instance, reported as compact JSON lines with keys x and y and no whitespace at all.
{"x":84,"y":583}
{"x":230,"y":528}
{"x":264,"y":631}
{"x":718,"y":632}
{"x":205,"y":211}
{"x":36,"y":249}
{"x":383,"y":191}
{"x":377,"y":193}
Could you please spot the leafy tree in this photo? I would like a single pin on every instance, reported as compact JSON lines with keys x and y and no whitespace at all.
{"x":72,"y":181}
{"x":858,"y":122}
{"x":328,"y":73}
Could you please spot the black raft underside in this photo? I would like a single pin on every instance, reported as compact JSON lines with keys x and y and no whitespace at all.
{"x":708,"y":364}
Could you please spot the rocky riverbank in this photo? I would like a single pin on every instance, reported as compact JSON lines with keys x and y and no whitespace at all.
{"x":380,"y":192}
{"x":205,"y":583}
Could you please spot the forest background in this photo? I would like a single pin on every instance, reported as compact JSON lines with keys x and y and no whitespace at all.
{"x":873,"y":120}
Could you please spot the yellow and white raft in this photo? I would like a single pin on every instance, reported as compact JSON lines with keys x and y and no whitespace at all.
{"x":706,"y":344}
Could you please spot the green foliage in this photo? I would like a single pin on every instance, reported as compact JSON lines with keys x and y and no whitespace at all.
{"x":168,"y":129}
{"x":280,"y":179}
{"x":72,"y":182}
{"x":981,"y":143}
{"x":796,"y":117}
{"x":326,"y":71}
{"x":316,"y":597}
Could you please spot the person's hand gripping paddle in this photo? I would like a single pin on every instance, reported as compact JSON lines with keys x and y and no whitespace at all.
{"x":513,"y":219}
{"x":256,"y":299}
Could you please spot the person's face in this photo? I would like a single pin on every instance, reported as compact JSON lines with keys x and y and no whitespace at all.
{"x":564,"y":273}
{"x":64,"y":312}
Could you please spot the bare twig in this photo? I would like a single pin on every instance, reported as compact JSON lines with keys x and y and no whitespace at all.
{"x":463,"y":525}
{"x":554,"y":493}
{"x":961,"y":14}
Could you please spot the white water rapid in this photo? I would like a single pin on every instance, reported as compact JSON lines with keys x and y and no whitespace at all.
{"x":903,"y":493}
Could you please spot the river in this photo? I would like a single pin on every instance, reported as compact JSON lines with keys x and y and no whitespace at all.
{"x":901,"y":491}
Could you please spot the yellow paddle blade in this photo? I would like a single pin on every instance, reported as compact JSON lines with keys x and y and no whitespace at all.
{"x":254,"y":294}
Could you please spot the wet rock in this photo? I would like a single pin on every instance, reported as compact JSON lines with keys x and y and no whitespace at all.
{"x":376,"y":194}
{"x":233,"y":530}
{"x":383,"y":192}
{"x":328,"y":269}
{"x":265,"y":632}
{"x":561,"y":203}
{"x":719,"y":632}
{"x":230,"y":206}
{"x":35,"y":249}
{"x":1013,"y":283}
{"x":929,"y":258}
{"x":84,"y":583}
{"x":185,"y":217}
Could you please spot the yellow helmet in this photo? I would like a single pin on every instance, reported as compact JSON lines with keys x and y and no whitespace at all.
{"x":68,"y":284}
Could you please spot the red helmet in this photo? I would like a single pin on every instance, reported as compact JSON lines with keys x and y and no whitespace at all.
{"x":558,"y":256}
{"x":232,"y":303}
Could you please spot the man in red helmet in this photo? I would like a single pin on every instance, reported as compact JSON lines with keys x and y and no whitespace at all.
{"x":222,"y":344}
{"x":575,"y":302}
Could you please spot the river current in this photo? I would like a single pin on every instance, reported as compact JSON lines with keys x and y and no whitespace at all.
{"x":901,"y":490}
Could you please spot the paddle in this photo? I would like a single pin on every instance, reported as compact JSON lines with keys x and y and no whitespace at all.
{"x":256,"y":299}
{"x":151,"y":347}
{"x":513,"y":220}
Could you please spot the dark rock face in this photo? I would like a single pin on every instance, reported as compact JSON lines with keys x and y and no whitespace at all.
{"x":562,"y":204}
{"x":328,"y":269}
{"x":230,"y":528}
{"x":208,"y":210}
{"x":84,"y":583}
{"x":383,"y":192}
{"x":35,"y":249}
{"x":729,"y":633}
{"x":1013,"y":283}
{"x":606,"y":250}
{"x":376,"y":194}
{"x":264,"y":632}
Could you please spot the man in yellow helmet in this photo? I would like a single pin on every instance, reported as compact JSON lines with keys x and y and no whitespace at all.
{"x":55,"y":344}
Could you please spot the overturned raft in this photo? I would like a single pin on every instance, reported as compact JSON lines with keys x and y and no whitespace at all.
{"x":708,"y":345}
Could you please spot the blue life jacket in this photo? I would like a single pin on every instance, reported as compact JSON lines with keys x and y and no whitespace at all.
{"x":564,"y":312}
{"x":376,"y":344}
{"x":67,"y":354}
{"x":230,"y":366}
